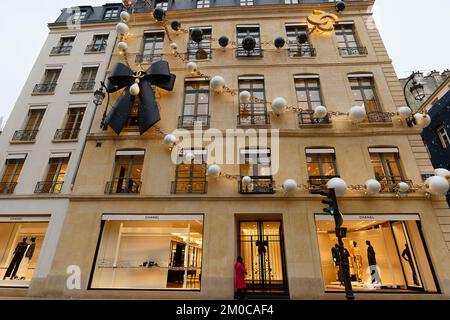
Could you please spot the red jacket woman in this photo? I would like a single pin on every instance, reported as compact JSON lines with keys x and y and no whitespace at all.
{"x":240,"y":270}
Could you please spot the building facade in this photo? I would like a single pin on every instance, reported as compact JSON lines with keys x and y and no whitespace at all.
{"x":146,"y":222}
{"x":43,"y":140}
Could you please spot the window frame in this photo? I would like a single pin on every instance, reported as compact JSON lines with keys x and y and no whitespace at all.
{"x":361,"y":88}
{"x":444,"y":137}
{"x":196,"y":103}
{"x":251,"y":105}
{"x":306,"y":89}
{"x":205,"y":44}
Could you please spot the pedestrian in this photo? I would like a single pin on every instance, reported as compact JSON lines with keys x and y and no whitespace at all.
{"x":240,"y":284}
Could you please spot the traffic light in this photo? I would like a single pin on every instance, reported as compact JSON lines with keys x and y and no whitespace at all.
{"x":332,"y":204}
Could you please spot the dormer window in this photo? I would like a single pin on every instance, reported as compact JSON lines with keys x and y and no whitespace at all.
{"x":111,"y":13}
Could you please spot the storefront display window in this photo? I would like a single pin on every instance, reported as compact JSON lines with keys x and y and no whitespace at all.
{"x":386,"y":253}
{"x":21,"y":241}
{"x":149,"y":252}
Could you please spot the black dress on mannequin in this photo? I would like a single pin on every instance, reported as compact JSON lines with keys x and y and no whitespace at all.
{"x":406,"y":254}
{"x":19,"y":252}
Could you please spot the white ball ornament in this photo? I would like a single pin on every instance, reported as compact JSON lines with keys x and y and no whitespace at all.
{"x":217,"y":83}
{"x":404,"y":112}
{"x":437,"y":185}
{"x":373,"y":186}
{"x":122,"y":28}
{"x":170,"y":139}
{"x":278,"y":105}
{"x":173,"y":46}
{"x":339,"y":186}
{"x":135,"y":90}
{"x":444,"y":173}
{"x":245,"y":96}
{"x":290,"y":185}
{"x":357,"y":114}
{"x":188,"y":157}
{"x":125,"y":16}
{"x":214,"y":171}
{"x":320,"y":112}
{"x":422,"y":120}
{"x":403,"y":187}
{"x":123,"y":46}
{"x":246,"y":181}
{"x":191,"y":67}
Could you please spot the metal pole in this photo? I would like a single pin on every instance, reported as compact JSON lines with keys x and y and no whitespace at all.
{"x":345,"y":270}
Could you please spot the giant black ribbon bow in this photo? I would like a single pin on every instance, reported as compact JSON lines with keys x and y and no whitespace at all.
{"x":123,"y":77}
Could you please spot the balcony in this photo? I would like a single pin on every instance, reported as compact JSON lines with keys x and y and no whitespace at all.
{"x":390,"y":184}
{"x":147,"y":58}
{"x":83,"y":86}
{"x":189,"y":186}
{"x":302,"y":51}
{"x":66,"y":134}
{"x":255,"y":53}
{"x":306,"y":118}
{"x":25,"y":135}
{"x":317,"y":183}
{"x":353,"y":51}
{"x":259,"y":185}
{"x":96,"y":48}
{"x":61,"y":50}
{"x":191,"y":122}
{"x":253,"y":119}
{"x":123,"y":186}
{"x":48,"y":187}
{"x":7,"y":187}
{"x":44,"y":88}
{"x":379,"y":117}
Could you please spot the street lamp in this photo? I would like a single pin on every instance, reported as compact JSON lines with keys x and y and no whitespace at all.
{"x":417,"y":92}
{"x":99,"y":96}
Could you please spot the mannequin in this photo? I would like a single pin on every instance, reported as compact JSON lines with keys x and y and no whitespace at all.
{"x":406,"y":255}
{"x":375,"y":276}
{"x":355,"y":254}
{"x":22,"y":273}
{"x":19,"y":252}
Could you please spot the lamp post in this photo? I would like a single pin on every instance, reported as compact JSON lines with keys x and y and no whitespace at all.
{"x":99,"y":96}
{"x":417,"y":91}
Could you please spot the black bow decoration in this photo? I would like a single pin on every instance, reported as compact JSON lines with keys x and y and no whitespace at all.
{"x":123,"y":77}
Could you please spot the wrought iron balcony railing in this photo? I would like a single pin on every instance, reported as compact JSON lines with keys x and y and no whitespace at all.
{"x":45,"y":87}
{"x":123,"y":185}
{"x":302,"y":51}
{"x":61,"y":50}
{"x":379,"y":117}
{"x":253,"y":119}
{"x":48,"y":187}
{"x":96,"y":48}
{"x":7,"y":187}
{"x":148,"y":58}
{"x":191,"y":122}
{"x":25,"y":135}
{"x":390,"y":184}
{"x":258,"y":185}
{"x":66,"y":134}
{"x":319,"y":182}
{"x":353,"y":51}
{"x":307,"y":118}
{"x":255,"y":53}
{"x":83,"y":86}
{"x":190,"y":185}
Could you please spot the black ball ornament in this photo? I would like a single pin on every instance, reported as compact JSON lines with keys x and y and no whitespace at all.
{"x":248,"y":43}
{"x":175,"y":25}
{"x":159,"y":14}
{"x":279,"y":42}
{"x":302,"y":38}
{"x":197,"y":35}
{"x":223,"y":41}
{"x":340,"y":6}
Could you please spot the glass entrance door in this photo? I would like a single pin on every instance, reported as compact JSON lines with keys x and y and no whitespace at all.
{"x":262,"y":249}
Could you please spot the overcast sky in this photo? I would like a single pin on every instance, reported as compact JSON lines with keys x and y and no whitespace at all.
{"x":415,"y":33}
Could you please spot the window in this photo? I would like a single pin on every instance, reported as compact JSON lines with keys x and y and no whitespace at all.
{"x":386,"y":254}
{"x":20,"y":248}
{"x":65,"y":45}
{"x":443,"y":136}
{"x":111,"y":13}
{"x":11,"y":172}
{"x":346,"y":39}
{"x":291,"y":1}
{"x":256,"y":164}
{"x":152,"y":48}
{"x":79,"y":15}
{"x":56,"y":172}
{"x":32,"y":124}
{"x":321,"y":163}
{"x":245,"y":31}
{"x":201,"y":50}
{"x":72,"y":124}
{"x":295,"y":49}
{"x":163,"y":4}
{"x":87,"y":79}
{"x":308,"y":92}
{"x":127,"y":172}
{"x":196,"y":104}
{"x":246,"y":2}
{"x":161,"y":252}
{"x":99,"y":43}
{"x":49,"y":81}
{"x":387,"y":168}
{"x":253,"y":112}
{"x":190,"y":173}
{"x":202,"y":4}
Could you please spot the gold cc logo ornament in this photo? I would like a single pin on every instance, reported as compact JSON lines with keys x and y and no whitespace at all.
{"x":138,"y":74}
{"x":324,"y":21}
